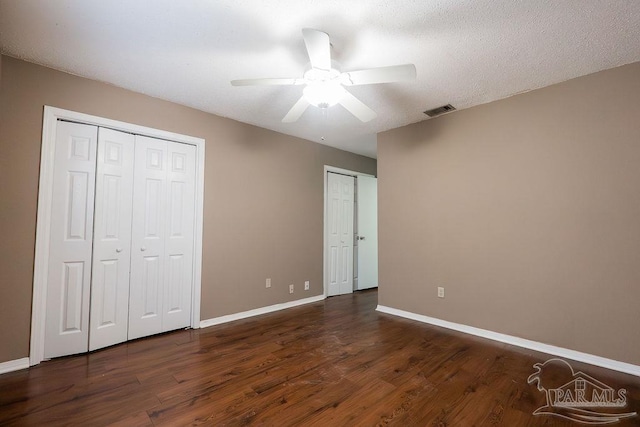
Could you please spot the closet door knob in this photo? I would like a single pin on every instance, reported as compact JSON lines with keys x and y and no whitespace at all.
{"x":118,"y":250}
{"x":143,"y":249}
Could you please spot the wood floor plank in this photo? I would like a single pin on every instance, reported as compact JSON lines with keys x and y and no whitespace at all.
{"x":356,"y":406}
{"x":336,"y":362}
{"x":140,"y":419}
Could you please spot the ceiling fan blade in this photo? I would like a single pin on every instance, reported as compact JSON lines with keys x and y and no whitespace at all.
{"x":318,"y":48}
{"x":296,"y":111}
{"x":394,"y":73}
{"x":267,"y":82}
{"x":357,"y":107}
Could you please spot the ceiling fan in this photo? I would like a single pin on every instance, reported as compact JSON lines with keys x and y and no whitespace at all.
{"x":324,"y":85}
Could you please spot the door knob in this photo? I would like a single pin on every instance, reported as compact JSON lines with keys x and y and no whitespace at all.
{"x":143,"y":249}
{"x":360,"y":238}
{"x":118,"y":250}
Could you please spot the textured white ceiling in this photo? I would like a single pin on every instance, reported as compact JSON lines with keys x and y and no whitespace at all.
{"x":466,"y":52}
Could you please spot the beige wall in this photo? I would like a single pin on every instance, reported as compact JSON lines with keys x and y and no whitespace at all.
{"x":263,"y":195}
{"x":527,"y":211}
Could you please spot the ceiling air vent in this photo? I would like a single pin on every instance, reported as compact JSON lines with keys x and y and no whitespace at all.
{"x":440,"y":110}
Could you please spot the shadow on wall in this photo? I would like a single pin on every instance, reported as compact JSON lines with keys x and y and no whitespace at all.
{"x":416,"y":136}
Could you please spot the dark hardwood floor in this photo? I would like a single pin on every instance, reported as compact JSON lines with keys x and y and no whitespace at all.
{"x":332,"y":363}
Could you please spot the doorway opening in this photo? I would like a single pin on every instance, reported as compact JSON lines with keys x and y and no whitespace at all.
{"x":350,"y":250}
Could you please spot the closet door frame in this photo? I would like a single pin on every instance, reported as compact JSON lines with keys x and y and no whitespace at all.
{"x":45,"y":199}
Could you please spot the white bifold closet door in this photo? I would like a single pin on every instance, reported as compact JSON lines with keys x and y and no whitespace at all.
{"x":71,"y":238}
{"x":111,"y":239}
{"x":123,"y":270}
{"x":162,"y":238}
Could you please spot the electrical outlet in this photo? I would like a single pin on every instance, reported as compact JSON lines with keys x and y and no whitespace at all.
{"x":306,"y":285}
{"x":440,"y":292}
{"x":268,"y":283}
{"x":290,"y":289}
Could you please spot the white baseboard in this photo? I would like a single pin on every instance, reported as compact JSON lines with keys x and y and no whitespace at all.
{"x":14,"y":365}
{"x":615,"y":365}
{"x":259,"y":311}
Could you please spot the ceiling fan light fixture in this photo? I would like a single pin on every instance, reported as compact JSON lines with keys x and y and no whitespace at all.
{"x":324,"y":85}
{"x":323,"y":94}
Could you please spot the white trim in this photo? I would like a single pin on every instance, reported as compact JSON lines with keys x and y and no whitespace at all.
{"x":14,"y":365}
{"x":43,"y":232}
{"x":579,"y":356}
{"x":259,"y":311}
{"x":328,"y":169}
{"x":43,"y":224}
{"x":198,"y":233}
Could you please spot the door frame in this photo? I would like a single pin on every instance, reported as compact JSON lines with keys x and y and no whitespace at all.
{"x":51,"y":116}
{"x":325,"y":230}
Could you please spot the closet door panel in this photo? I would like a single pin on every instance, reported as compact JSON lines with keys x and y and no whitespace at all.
{"x":148,"y":237}
{"x":112,"y":239}
{"x":179,"y":236}
{"x":69,"y":267}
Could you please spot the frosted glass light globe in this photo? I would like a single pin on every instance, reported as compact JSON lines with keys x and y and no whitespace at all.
{"x":323,"y":94}
{"x":323,"y":87}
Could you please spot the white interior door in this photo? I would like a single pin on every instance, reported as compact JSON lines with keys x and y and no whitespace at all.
{"x":162,"y":237}
{"x":340,"y":216}
{"x":367,"y":202}
{"x":181,"y":175}
{"x":69,"y":265}
{"x":111,"y":239}
{"x":148,"y":235}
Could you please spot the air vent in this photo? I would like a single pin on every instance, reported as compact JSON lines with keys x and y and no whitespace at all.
{"x":440,"y":110}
